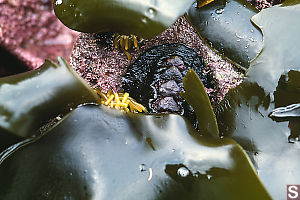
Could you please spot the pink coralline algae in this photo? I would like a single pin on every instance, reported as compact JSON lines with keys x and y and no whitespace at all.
{"x":96,"y":60}
{"x":103,"y":66}
{"x":262,"y":4}
{"x":30,"y":30}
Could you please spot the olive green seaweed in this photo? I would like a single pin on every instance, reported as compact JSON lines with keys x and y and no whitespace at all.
{"x":29,"y":99}
{"x":272,"y":81}
{"x":226,"y":27}
{"x":99,"y":153}
{"x":143,"y":18}
{"x":197,"y":97}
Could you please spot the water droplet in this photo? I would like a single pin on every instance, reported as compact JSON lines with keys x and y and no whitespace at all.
{"x":238,"y":13}
{"x":238,"y":40}
{"x":58,"y":118}
{"x":252,"y":39}
{"x":209,"y":176}
{"x":142,"y":167}
{"x":150,"y":12}
{"x":183,"y":172}
{"x":256,"y":153}
{"x":247,"y":45}
{"x":47,"y":194}
{"x":239,"y":36}
{"x":85,"y":171}
{"x":58,"y":2}
{"x":251,"y":30}
{"x":144,"y":20}
{"x":219,"y":11}
{"x":71,"y":173}
{"x":293,"y":140}
{"x":173,"y":150}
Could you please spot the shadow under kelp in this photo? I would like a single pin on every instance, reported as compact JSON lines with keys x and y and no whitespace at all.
{"x":244,"y":115}
{"x":287,"y":99}
{"x":10,"y":64}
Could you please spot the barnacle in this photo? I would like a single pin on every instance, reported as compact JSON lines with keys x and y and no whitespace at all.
{"x":125,"y":42}
{"x":120,"y":101}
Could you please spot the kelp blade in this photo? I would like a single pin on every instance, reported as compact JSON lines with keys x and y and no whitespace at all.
{"x":29,"y":99}
{"x":226,"y":27}
{"x":100,"y":154}
{"x":272,"y":81}
{"x":143,"y":18}
{"x":197,"y":97}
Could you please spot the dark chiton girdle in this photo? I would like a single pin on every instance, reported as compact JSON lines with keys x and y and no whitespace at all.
{"x":155,"y":79}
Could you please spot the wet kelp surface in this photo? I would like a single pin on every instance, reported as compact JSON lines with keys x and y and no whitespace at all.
{"x":157,"y":157}
{"x":273,"y":146}
{"x":29,"y":99}
{"x":226,"y":27}
{"x":144,"y":19}
{"x":271,"y":82}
